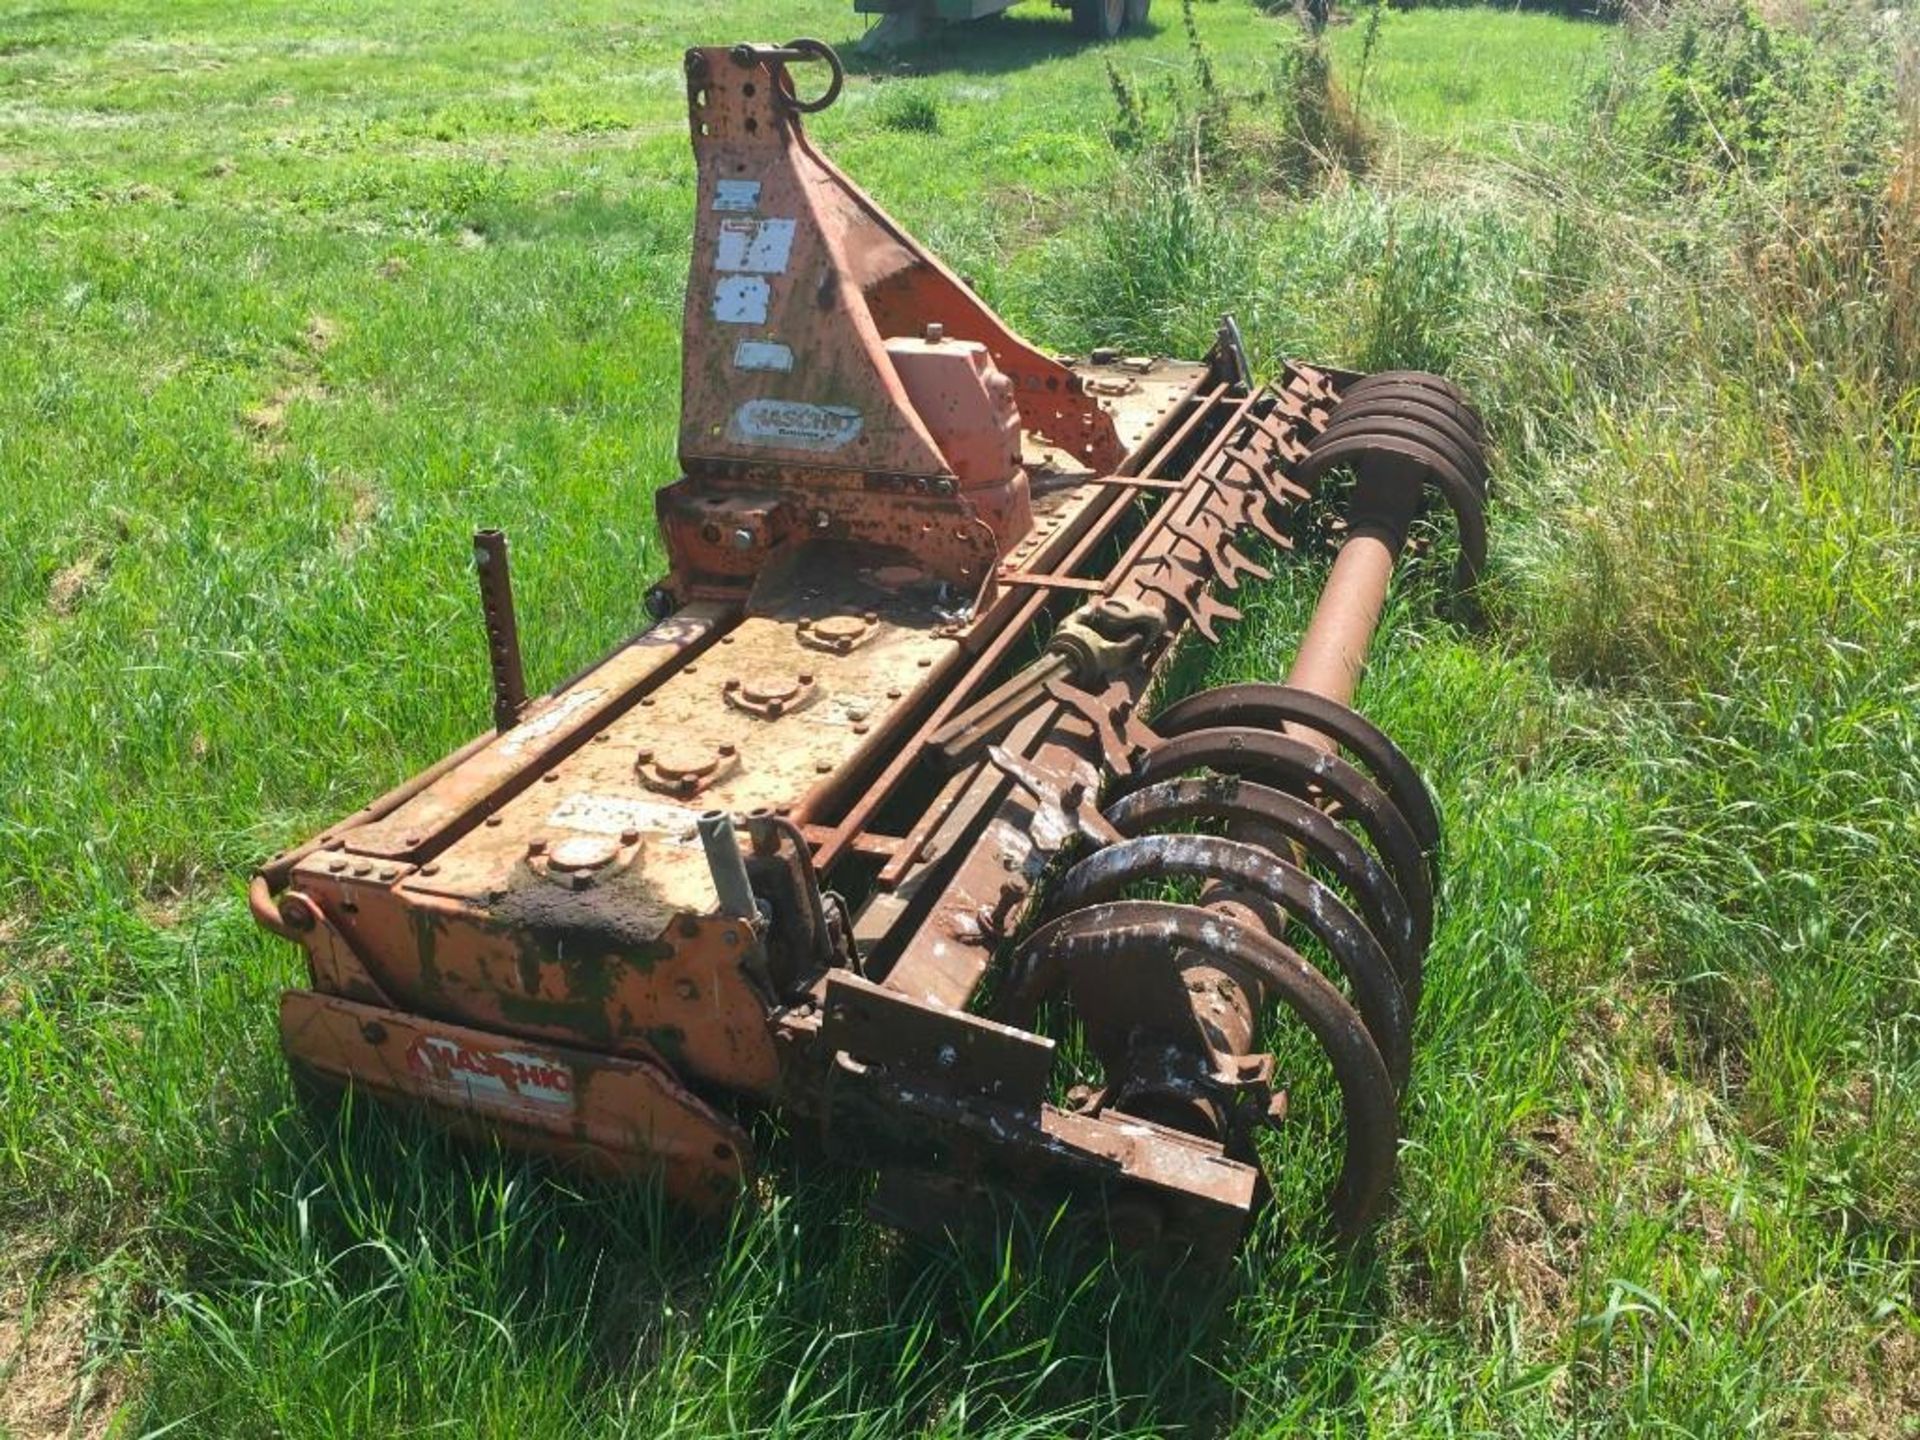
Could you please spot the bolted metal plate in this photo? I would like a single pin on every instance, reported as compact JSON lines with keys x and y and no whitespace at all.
{"x":948,"y":1050}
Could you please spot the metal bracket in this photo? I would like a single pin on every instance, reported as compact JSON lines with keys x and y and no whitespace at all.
{"x":950,"y":1051}
{"x":1123,"y":736}
{"x":336,"y":967}
{"x":1068,"y":802}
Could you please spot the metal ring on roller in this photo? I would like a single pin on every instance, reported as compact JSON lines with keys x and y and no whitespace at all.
{"x":1421,"y":422}
{"x":1283,"y":822}
{"x":1341,"y":427}
{"x":1295,"y":766}
{"x":1425,"y":396}
{"x":1267,"y":706}
{"x":1096,"y":942}
{"x":1106,"y":874}
{"x":1469,"y":510}
{"x":1425,"y":379}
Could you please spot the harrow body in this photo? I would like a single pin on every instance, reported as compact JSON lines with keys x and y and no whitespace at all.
{"x":773,"y":849}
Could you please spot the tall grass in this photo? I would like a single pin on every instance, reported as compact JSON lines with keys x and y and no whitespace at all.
{"x":1692,"y":326}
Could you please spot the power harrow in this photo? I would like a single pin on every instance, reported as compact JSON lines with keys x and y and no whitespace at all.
{"x":879,"y":787}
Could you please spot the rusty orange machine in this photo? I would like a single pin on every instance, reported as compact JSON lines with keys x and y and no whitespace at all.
{"x":882,"y":781}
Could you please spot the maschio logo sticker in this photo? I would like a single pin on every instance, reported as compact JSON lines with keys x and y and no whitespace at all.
{"x":490,"y":1079}
{"x":794,"y":425}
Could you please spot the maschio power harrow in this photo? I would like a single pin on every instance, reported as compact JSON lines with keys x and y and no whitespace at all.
{"x":879,"y":784}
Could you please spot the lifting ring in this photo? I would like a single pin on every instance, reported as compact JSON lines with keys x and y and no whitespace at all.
{"x":813,"y":50}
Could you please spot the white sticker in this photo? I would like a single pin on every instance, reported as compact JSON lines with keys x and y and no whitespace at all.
{"x":758,"y":247}
{"x":615,"y":814}
{"x":539,"y":726}
{"x":736,"y":194}
{"x":741,"y":300}
{"x":490,"y":1079}
{"x":762,"y":355}
{"x":794,"y":425}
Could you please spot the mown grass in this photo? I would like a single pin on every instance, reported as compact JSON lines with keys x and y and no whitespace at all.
{"x":296,"y":296}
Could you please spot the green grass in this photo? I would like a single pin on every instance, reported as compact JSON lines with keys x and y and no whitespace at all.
{"x":1450,"y":76}
{"x":297,"y":295}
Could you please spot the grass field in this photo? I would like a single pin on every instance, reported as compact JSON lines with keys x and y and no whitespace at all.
{"x":295,"y":295}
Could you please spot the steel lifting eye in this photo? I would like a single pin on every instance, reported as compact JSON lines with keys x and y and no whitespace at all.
{"x":813,"y":50}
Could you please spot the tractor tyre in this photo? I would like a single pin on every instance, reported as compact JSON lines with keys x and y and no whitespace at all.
{"x":1099,"y":19}
{"x":1137,"y":13}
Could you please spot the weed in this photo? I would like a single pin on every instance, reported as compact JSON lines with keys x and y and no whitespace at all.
{"x":908,"y":109}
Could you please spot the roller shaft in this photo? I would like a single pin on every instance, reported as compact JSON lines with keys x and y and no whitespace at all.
{"x":1334,"y":649}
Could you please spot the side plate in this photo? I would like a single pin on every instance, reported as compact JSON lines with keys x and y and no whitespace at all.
{"x":610,"y":1116}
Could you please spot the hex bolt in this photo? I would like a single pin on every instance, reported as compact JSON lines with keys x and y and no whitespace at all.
{"x":629,"y":836}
